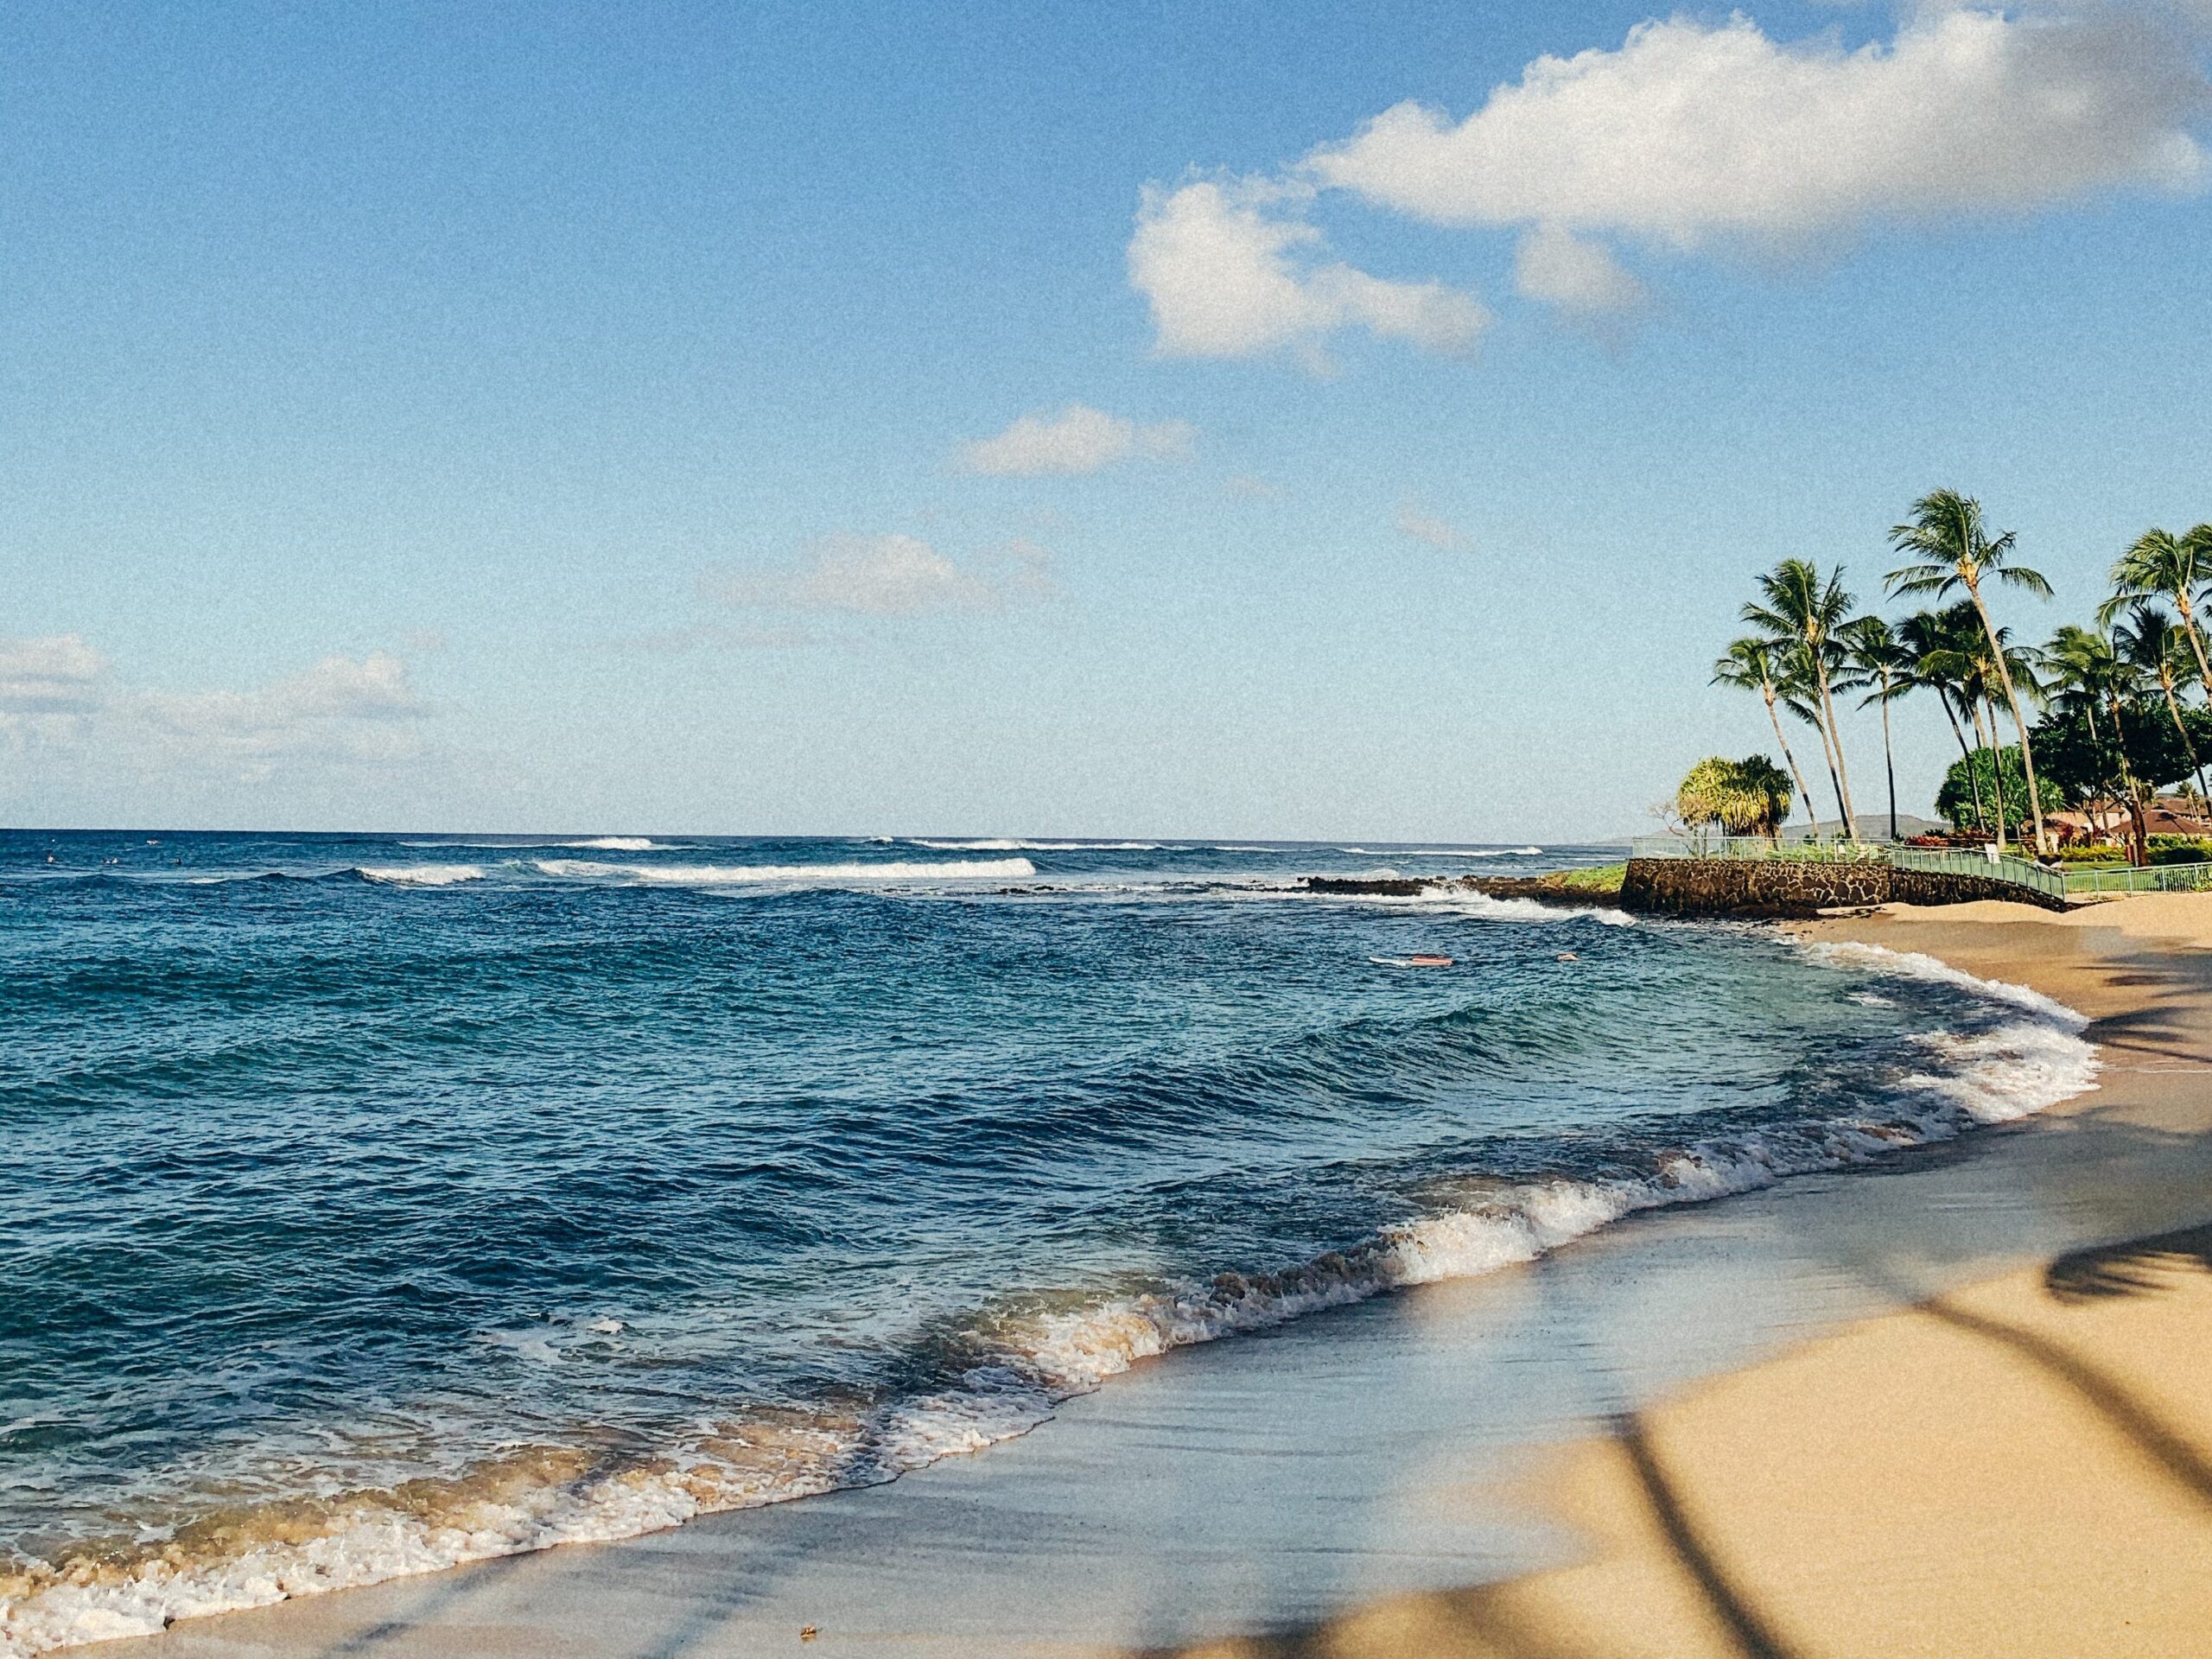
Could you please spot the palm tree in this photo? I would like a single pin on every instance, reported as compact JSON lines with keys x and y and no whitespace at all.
{"x":1939,"y":645}
{"x":1808,"y":614}
{"x":1876,"y":658}
{"x":1952,"y":551}
{"x":1748,"y":797}
{"x":2088,"y":674}
{"x":2151,"y":641}
{"x":2162,"y":565}
{"x":1749,"y":666}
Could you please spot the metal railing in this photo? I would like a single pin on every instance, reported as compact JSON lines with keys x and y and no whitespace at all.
{"x":2154,"y":878}
{"x":2017,"y":871}
{"x":1757,"y":846}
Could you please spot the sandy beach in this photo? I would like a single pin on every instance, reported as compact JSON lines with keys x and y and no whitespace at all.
{"x":1952,"y":1405}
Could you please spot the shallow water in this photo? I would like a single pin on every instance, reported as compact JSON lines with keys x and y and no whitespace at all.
{"x":378,"y":1203}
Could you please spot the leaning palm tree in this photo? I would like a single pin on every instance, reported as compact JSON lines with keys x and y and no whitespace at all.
{"x":1875,"y":657}
{"x":1749,"y":666}
{"x":2162,"y":565}
{"x":1951,"y":550}
{"x":2151,"y":641}
{"x":1807,"y":613}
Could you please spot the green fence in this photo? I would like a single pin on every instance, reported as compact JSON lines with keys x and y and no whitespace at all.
{"x":2017,"y":871}
{"x":2156,"y":877}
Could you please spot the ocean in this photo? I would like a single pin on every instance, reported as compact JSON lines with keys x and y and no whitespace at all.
{"x":376,"y":1203}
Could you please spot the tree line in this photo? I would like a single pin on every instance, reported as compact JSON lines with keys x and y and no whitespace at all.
{"x":2105,"y":713}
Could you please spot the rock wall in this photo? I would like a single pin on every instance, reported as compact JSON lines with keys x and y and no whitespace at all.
{"x":1729,"y":887}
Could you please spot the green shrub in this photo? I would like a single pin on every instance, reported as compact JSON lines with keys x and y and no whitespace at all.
{"x":2093,"y":854}
{"x":1606,"y":877}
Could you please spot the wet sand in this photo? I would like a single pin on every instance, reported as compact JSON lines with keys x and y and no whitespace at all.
{"x":1763,"y":1454}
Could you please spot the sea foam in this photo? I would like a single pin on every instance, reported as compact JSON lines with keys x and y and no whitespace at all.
{"x":421,"y":876}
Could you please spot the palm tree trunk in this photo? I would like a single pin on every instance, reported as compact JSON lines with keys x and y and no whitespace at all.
{"x":1803,"y":793}
{"x":1835,"y":781}
{"x":1973,"y":779}
{"x":2195,"y":641}
{"x":1842,"y":771}
{"x":2020,"y":721}
{"x":2173,"y":707}
{"x":1888,"y":758}
{"x":2139,"y":854}
{"x":1996,"y":763}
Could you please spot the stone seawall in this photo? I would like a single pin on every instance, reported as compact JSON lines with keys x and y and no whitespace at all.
{"x":1732,"y":886}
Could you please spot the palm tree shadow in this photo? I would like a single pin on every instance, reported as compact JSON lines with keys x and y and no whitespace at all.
{"x":1753,"y":1635}
{"x":2135,"y":1267}
{"x":1486,"y":1616}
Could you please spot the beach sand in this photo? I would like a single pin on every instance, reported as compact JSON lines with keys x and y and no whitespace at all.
{"x":1918,"y":1409}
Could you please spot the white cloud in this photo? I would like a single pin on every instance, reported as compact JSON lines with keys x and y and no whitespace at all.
{"x":1224,"y":279}
{"x":58,"y":701}
{"x":887,"y":576}
{"x":1696,"y":137}
{"x":1438,"y":533}
{"x":57,"y":674}
{"x":1691,"y":134}
{"x":1079,"y":439}
{"x":1556,"y":266}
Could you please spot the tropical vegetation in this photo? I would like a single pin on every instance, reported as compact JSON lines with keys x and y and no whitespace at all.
{"x":1743,"y":797}
{"x":2098,"y":720}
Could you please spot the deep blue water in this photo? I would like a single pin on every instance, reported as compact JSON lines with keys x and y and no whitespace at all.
{"x":587,"y":1185}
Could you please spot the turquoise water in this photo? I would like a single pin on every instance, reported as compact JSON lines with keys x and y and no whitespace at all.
{"x":378,"y":1202}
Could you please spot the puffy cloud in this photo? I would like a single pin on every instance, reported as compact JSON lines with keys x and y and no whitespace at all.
{"x":58,"y":700}
{"x":1697,"y":136}
{"x":1692,"y":133}
{"x":1225,"y":279}
{"x":887,"y":576}
{"x":1079,"y":439}
{"x":1438,"y":533}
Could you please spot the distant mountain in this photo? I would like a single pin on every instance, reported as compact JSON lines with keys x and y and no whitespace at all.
{"x":1872,"y":826}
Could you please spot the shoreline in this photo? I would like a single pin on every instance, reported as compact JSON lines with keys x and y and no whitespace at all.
{"x":2019,"y":1466}
{"x":312,"y":1624}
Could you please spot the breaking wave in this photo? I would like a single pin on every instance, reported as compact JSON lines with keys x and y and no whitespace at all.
{"x":723,"y":875}
{"x":1005,"y":844}
{"x":1438,"y":852}
{"x":420,"y":876}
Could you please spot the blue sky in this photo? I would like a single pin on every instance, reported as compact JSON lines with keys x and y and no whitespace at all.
{"x":598,"y":417}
